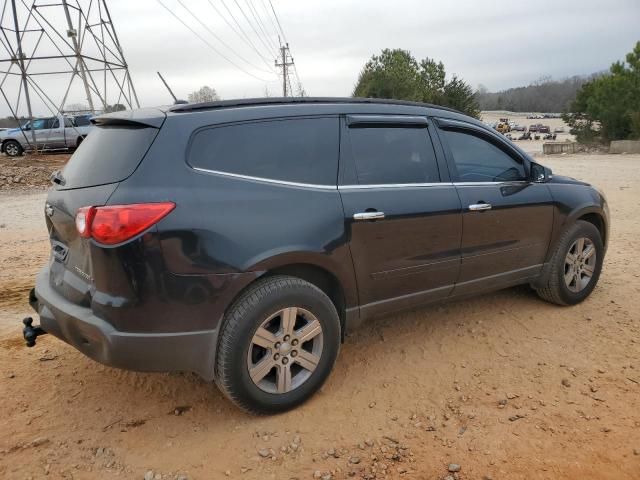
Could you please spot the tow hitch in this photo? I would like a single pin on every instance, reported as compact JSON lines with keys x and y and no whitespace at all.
{"x":30,"y":333}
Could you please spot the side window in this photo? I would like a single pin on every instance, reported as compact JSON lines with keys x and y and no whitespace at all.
{"x":301,"y":150}
{"x":477,"y":160}
{"x":82,"y":121}
{"x":68,"y":122}
{"x":53,"y":123}
{"x":384,"y":155}
{"x":40,"y":123}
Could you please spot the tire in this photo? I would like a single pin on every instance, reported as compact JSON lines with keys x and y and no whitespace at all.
{"x":557,"y":290}
{"x":13,"y":148}
{"x":263,"y":308}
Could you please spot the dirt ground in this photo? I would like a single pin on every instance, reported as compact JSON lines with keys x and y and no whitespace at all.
{"x":504,"y":385}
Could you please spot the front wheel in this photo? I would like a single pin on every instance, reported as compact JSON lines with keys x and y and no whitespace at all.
{"x":278,"y":344}
{"x":575,"y":267}
{"x":13,"y":148}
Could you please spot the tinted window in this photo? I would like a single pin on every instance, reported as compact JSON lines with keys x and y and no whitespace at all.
{"x":480,"y":161}
{"x":107,"y":155}
{"x":82,"y":121}
{"x":53,"y":123}
{"x":300,"y":150}
{"x":386,"y":155}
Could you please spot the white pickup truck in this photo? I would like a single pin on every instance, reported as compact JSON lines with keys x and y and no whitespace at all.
{"x":52,"y":133}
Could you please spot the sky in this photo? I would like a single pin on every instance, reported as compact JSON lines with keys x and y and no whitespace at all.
{"x":496,"y":44}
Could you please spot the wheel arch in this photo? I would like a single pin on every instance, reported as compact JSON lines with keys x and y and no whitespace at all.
{"x":593,"y":214}
{"x":334,"y":278}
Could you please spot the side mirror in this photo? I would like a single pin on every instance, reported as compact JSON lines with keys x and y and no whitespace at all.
{"x":540,"y":173}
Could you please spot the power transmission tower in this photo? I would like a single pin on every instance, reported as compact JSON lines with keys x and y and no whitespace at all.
{"x":59,"y":52}
{"x":286,"y":61}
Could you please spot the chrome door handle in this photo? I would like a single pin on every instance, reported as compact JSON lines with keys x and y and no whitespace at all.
{"x":368,"y":216}
{"x":479,"y":207}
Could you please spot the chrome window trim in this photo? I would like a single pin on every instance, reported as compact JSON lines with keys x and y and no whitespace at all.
{"x":352,"y":187}
{"x":487,"y":184}
{"x":394,"y":185}
{"x":265,"y":180}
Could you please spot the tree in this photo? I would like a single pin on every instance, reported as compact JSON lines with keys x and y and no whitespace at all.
{"x":116,"y":107}
{"x":543,"y":95}
{"x":397,"y":74}
{"x":205,"y":94}
{"x":608,"y":107}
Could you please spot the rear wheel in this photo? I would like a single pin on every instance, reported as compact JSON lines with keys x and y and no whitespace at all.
{"x":575,"y":267}
{"x":13,"y":148}
{"x":277,"y":345}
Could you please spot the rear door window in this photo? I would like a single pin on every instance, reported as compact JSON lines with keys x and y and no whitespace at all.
{"x":301,"y":150}
{"x":109,"y":154}
{"x":393,"y":155}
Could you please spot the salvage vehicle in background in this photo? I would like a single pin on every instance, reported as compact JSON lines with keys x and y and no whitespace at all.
{"x":52,"y":133}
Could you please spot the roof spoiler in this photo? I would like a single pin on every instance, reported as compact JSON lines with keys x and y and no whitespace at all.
{"x":145,"y":117}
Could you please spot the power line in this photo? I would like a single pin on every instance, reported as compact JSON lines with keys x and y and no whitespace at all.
{"x":284,"y":37}
{"x":245,"y":40}
{"x":256,"y":16}
{"x":204,"y":40}
{"x":251,"y":25}
{"x":240,"y":26}
{"x":269,"y":16}
{"x":218,"y":38}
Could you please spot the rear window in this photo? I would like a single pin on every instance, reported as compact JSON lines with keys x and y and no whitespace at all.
{"x":303,"y":150}
{"x":393,"y":155}
{"x":107,"y":155}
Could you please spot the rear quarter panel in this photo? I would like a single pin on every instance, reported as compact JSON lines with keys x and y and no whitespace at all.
{"x":229,"y":231}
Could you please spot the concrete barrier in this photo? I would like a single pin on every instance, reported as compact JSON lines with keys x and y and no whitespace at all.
{"x":624,"y":146}
{"x":552,"y":148}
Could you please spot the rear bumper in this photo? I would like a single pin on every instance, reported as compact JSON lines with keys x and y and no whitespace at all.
{"x":99,"y":340}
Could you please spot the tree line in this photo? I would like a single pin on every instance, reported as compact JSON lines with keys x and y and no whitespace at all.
{"x":544,"y":95}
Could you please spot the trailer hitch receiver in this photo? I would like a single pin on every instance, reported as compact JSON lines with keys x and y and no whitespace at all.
{"x":30,"y":333}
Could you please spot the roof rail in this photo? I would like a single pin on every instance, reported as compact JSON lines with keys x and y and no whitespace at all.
{"x":253,"y":102}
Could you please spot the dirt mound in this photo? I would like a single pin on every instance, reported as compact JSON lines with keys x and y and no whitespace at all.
{"x":29,"y":172}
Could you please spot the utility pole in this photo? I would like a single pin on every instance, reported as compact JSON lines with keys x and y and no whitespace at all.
{"x":23,"y":72}
{"x":73,"y":34}
{"x":286,"y":61}
{"x":49,"y":48}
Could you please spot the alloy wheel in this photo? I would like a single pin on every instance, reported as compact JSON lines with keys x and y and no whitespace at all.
{"x":12,"y":150}
{"x":285,"y":350}
{"x":580,"y":264}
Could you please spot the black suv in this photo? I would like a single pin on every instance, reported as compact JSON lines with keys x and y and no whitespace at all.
{"x":240,"y":239}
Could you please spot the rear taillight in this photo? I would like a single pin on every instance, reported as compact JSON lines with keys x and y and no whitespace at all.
{"x":115,"y":224}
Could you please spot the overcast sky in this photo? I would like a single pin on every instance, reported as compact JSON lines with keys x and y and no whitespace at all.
{"x":497,"y":44}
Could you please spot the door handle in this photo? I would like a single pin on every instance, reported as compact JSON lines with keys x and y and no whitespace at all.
{"x":479,"y":207}
{"x":368,"y":216}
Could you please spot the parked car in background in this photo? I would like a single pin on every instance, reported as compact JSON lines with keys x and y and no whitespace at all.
{"x":533,"y":128}
{"x":558,"y":130}
{"x":544,"y":128}
{"x":518,"y":128}
{"x":52,"y":133}
{"x":241,"y":239}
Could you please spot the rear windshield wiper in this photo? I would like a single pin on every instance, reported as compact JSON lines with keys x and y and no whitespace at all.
{"x":56,"y":177}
